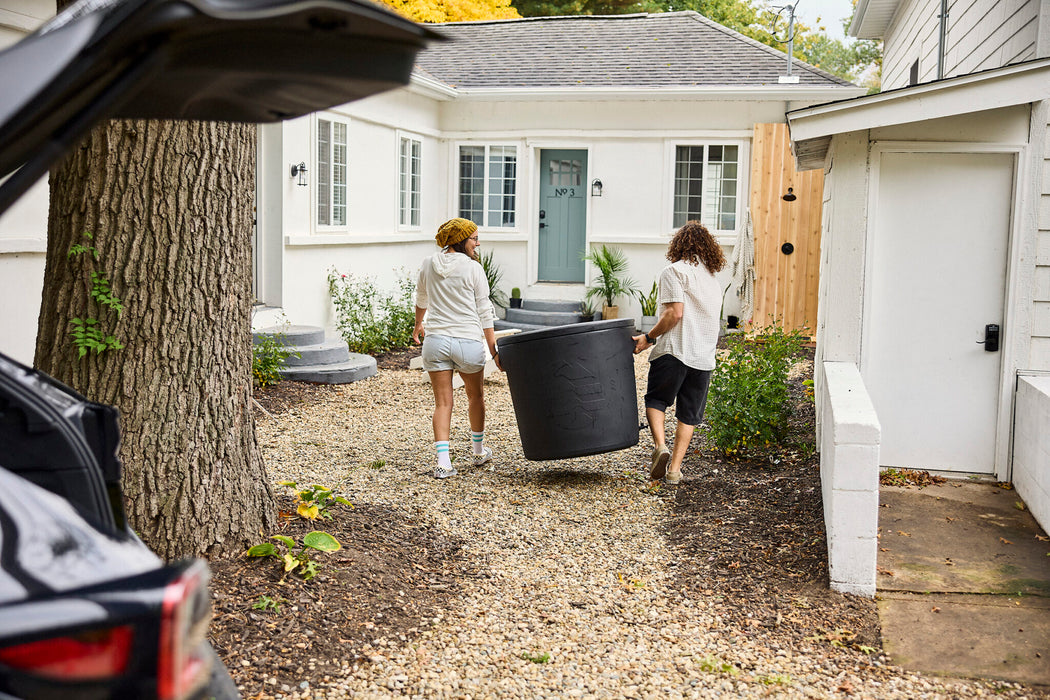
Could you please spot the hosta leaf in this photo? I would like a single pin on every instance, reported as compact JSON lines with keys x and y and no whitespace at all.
{"x":262,"y":550}
{"x":322,"y":541}
{"x":290,"y":562}
{"x":288,"y":541}
{"x":308,"y":511}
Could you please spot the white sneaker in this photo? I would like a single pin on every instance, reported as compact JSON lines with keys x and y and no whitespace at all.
{"x":486,"y":455}
{"x":444,"y":472}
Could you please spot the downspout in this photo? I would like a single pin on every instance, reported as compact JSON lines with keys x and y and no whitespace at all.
{"x":942,"y":38}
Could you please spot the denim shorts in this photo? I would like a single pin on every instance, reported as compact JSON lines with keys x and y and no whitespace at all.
{"x":441,"y":352}
{"x":671,"y":381}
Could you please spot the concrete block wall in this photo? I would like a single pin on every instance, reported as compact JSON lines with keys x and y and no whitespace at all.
{"x":1031,"y":458}
{"x":849,"y":478}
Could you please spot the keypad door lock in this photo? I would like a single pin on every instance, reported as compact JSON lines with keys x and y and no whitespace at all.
{"x":991,"y":337}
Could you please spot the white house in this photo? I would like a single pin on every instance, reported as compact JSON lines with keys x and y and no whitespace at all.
{"x":933,"y":339}
{"x":514,"y":124}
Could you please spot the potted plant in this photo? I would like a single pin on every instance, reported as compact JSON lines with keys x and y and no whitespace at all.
{"x":610,"y":282}
{"x":515,"y":298}
{"x":494,"y":275}
{"x":648,"y":302}
{"x":587,"y":312}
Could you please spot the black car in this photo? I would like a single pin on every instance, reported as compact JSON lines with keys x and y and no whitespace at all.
{"x":86,"y":610}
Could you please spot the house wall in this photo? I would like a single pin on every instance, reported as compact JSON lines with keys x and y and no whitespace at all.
{"x":981,"y":34}
{"x":630,"y":148}
{"x":23,"y":228}
{"x":1040,"y":349}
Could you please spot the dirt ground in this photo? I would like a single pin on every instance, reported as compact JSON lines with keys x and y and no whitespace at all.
{"x":750,"y":534}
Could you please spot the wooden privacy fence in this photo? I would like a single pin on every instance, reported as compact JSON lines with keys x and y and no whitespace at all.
{"x":787,"y":233}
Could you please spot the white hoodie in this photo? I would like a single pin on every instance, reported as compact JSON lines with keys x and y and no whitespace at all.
{"x":453,"y":289}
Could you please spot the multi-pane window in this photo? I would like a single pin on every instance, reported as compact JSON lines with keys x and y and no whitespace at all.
{"x":488,"y":179}
{"x":565,"y":173}
{"x":409,"y":175}
{"x":705,"y":185}
{"x":331,"y":172}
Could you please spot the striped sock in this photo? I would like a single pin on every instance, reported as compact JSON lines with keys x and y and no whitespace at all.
{"x":477,"y":440}
{"x":442,"y":451}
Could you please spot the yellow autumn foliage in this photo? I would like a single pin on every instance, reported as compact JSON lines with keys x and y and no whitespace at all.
{"x":452,"y":10}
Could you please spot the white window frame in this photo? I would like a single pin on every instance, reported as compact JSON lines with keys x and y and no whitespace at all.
{"x":742,"y":186}
{"x":409,"y":183}
{"x":486,"y":211}
{"x":326,"y":172}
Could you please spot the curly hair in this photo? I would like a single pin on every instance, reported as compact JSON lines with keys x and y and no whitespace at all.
{"x":695,"y":244}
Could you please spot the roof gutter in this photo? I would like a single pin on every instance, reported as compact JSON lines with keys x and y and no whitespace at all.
{"x":794,"y":93}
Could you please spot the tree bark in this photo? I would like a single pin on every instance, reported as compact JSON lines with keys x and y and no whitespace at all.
{"x":170,"y":207}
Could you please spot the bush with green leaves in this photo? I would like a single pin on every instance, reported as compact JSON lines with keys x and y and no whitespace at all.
{"x":648,"y":301}
{"x":267,"y":360}
{"x":370,"y":321}
{"x":748,"y":405}
{"x":314,"y":501}
{"x":296,"y":556}
{"x":494,"y":275}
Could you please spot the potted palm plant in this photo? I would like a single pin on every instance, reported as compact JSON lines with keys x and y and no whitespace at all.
{"x":494,"y":275}
{"x":648,"y":302}
{"x":610,"y":282}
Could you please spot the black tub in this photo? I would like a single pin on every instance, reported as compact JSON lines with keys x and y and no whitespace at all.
{"x":573,"y":388}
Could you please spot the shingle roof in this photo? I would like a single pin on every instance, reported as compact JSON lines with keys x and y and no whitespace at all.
{"x":665,"y":50}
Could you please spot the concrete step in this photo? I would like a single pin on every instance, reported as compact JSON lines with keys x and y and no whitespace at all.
{"x":550,"y":305}
{"x":502,"y":325}
{"x":357,"y":367}
{"x":327,"y":353}
{"x":543,"y":318}
{"x":290,"y":335}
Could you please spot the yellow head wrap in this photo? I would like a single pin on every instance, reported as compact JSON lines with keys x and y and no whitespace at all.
{"x":454,"y":231}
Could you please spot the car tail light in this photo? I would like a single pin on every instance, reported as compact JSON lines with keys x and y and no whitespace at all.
{"x":182,"y":666}
{"x":84,"y":656}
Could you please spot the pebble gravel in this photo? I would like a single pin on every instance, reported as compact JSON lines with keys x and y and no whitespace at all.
{"x":570,"y":589}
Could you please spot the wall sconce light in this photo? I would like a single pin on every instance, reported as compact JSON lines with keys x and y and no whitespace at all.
{"x":300,"y":172}
{"x":790,"y":196}
{"x":596,"y":187}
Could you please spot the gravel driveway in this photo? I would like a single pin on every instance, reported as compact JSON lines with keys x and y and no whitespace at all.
{"x":572,"y":592}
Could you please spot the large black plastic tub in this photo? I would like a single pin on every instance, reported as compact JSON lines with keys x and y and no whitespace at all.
{"x":573,"y":388}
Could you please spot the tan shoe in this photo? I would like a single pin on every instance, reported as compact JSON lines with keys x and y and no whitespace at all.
{"x":673,"y":478}
{"x":661,"y":456}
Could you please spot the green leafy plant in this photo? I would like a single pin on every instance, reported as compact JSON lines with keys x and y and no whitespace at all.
{"x":376,"y":464}
{"x":748,"y":408}
{"x":494,"y":275}
{"x":587,"y":309}
{"x":268,"y":604}
{"x":713,"y":664}
{"x":268,"y":358}
{"x":314,"y":501}
{"x":88,"y":333}
{"x":296,"y":557}
{"x":611,"y":281}
{"x":648,"y":301}
{"x":369,"y":321}
{"x":541,"y":658}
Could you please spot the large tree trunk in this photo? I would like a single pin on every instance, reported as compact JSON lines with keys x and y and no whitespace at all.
{"x":170,"y":208}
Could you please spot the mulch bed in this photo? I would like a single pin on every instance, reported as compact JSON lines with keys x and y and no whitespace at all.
{"x":750,"y":533}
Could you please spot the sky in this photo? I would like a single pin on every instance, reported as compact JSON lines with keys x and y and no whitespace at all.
{"x":831,"y":12}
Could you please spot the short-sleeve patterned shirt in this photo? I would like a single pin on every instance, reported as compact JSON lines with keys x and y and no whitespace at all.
{"x":693,"y":340}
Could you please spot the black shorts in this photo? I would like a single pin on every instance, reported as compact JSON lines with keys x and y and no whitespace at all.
{"x":671,"y":380}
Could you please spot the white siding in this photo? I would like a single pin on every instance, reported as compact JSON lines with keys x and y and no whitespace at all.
{"x":981,"y":34}
{"x":1040,"y":350}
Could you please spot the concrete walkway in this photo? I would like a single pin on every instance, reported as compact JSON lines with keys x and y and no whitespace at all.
{"x":964,"y":582}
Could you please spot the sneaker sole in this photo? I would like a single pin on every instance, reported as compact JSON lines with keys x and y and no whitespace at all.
{"x":445,"y":475}
{"x":660,"y":466}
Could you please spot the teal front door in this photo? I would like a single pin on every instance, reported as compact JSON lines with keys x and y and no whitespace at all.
{"x":563,"y":215}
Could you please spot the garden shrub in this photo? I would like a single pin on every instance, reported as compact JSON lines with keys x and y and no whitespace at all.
{"x":369,"y":321}
{"x":748,"y":408}
{"x":267,"y":360}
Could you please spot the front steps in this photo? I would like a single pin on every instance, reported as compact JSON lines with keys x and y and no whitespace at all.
{"x":535,"y":314}
{"x":321,"y":360}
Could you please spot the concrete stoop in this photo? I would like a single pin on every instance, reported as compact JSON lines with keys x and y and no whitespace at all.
{"x":320,"y":359}
{"x":964,"y":582}
{"x":535,"y":314}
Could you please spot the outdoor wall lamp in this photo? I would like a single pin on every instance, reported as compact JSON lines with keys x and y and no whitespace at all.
{"x":596,"y":187}
{"x":300,"y":172}
{"x":790,"y":196}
